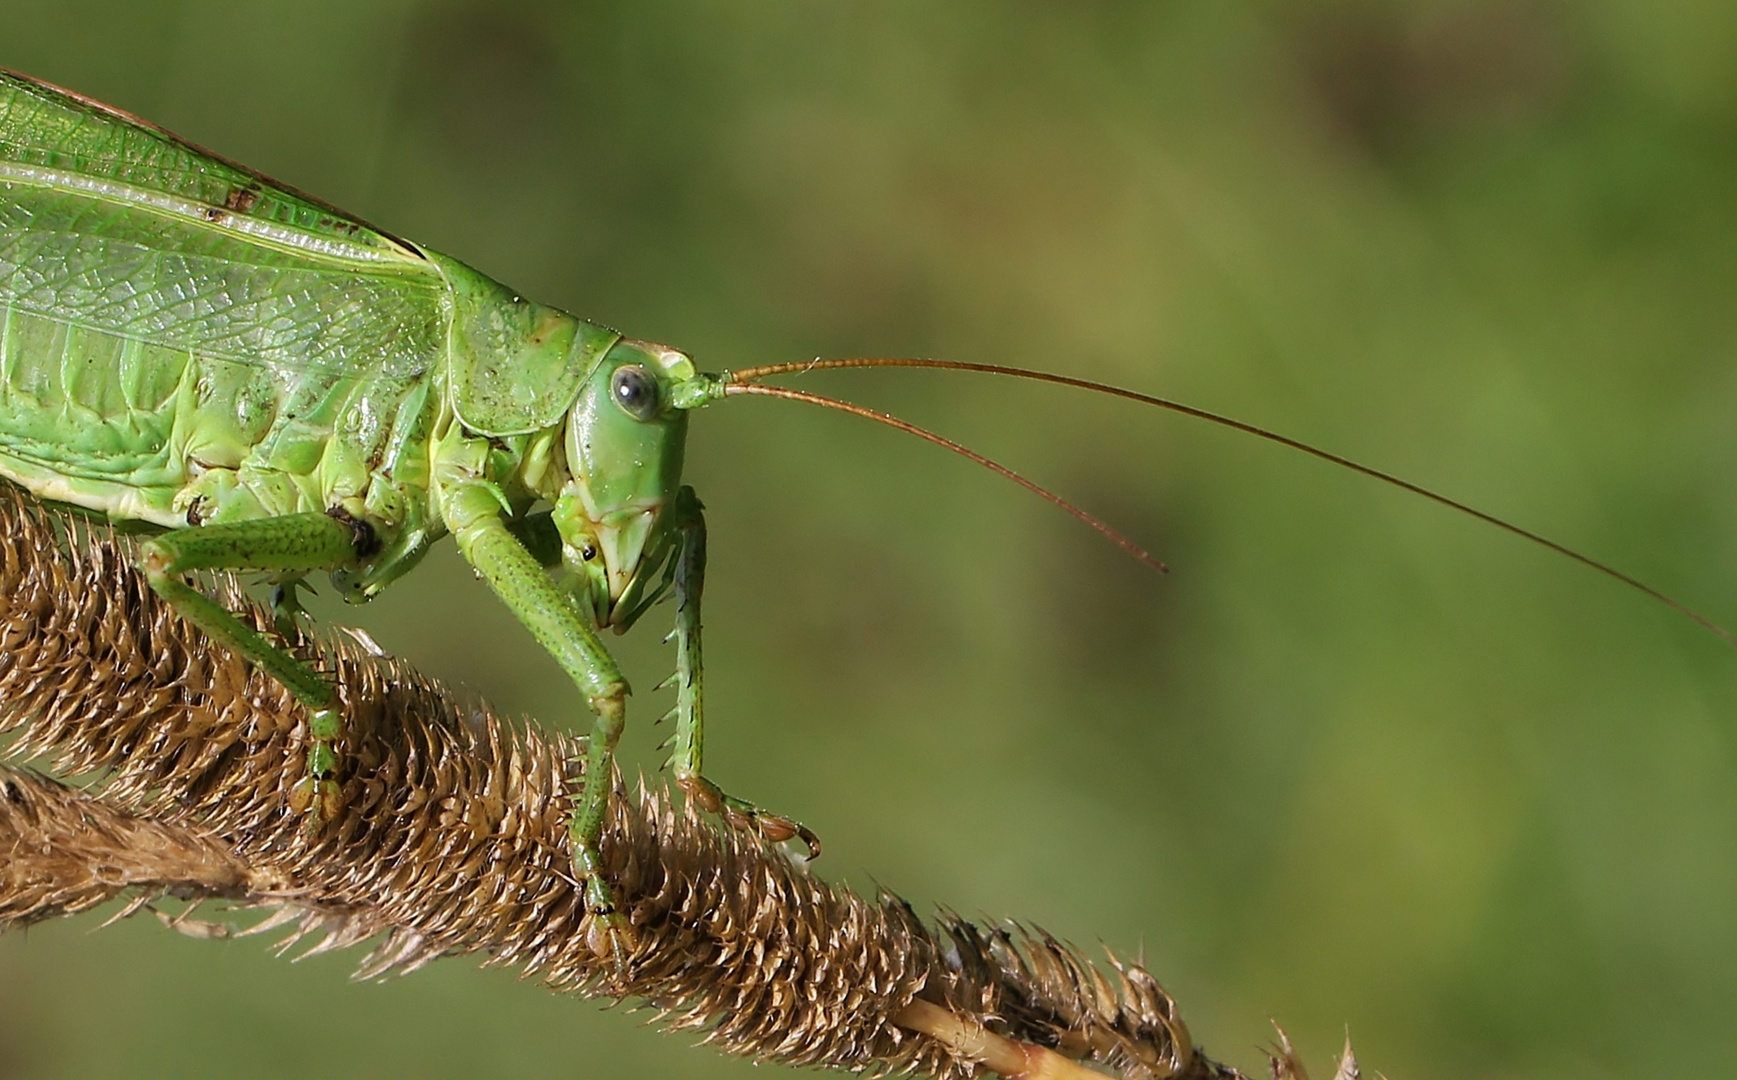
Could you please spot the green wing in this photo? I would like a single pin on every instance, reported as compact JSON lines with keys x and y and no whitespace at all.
{"x":113,"y":225}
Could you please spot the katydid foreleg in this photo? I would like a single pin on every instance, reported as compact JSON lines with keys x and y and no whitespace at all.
{"x":294,"y":544}
{"x":687,"y":759}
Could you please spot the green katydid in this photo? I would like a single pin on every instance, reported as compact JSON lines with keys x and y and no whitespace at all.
{"x":277,"y":386}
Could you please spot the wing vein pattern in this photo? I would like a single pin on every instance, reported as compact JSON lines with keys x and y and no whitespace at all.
{"x":165,"y":313}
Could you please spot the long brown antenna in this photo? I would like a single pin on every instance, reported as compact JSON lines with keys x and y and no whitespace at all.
{"x":746,"y":375}
{"x":1097,"y":523}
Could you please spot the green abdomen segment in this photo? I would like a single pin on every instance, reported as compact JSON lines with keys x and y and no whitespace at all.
{"x":143,"y":431}
{"x":89,"y":417}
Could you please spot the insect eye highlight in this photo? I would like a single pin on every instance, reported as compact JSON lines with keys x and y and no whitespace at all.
{"x":635,"y":390}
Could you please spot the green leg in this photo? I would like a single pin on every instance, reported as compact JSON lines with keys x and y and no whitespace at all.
{"x":287,"y":613}
{"x":690,"y":738}
{"x":294,"y":544}
{"x":474,"y":515}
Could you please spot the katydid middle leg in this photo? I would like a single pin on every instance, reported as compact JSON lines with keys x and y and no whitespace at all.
{"x":292,"y":544}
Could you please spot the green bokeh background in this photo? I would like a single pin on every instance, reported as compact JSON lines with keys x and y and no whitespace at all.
{"x":1355,"y":761}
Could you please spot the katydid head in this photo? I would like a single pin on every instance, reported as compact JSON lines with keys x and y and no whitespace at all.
{"x":625,"y":437}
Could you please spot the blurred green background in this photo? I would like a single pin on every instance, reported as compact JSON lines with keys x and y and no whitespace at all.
{"x":1355,"y":761}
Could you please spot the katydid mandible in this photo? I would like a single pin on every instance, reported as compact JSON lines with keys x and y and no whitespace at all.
{"x":280,"y":387}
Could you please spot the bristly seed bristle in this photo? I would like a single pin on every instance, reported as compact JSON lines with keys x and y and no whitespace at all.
{"x":452,"y":839}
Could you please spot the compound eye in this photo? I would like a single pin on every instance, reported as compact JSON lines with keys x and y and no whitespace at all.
{"x":635,"y":390}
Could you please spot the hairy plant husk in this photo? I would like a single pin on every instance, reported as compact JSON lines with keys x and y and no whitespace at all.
{"x":452,"y":839}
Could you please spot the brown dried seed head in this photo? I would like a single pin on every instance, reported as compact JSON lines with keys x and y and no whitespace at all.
{"x":448,"y":835}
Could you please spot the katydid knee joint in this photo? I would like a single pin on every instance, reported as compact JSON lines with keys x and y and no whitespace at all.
{"x":153,"y":560}
{"x":365,"y":540}
{"x":611,"y":710}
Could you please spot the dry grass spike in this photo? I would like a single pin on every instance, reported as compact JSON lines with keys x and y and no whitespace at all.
{"x":453,"y":841}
